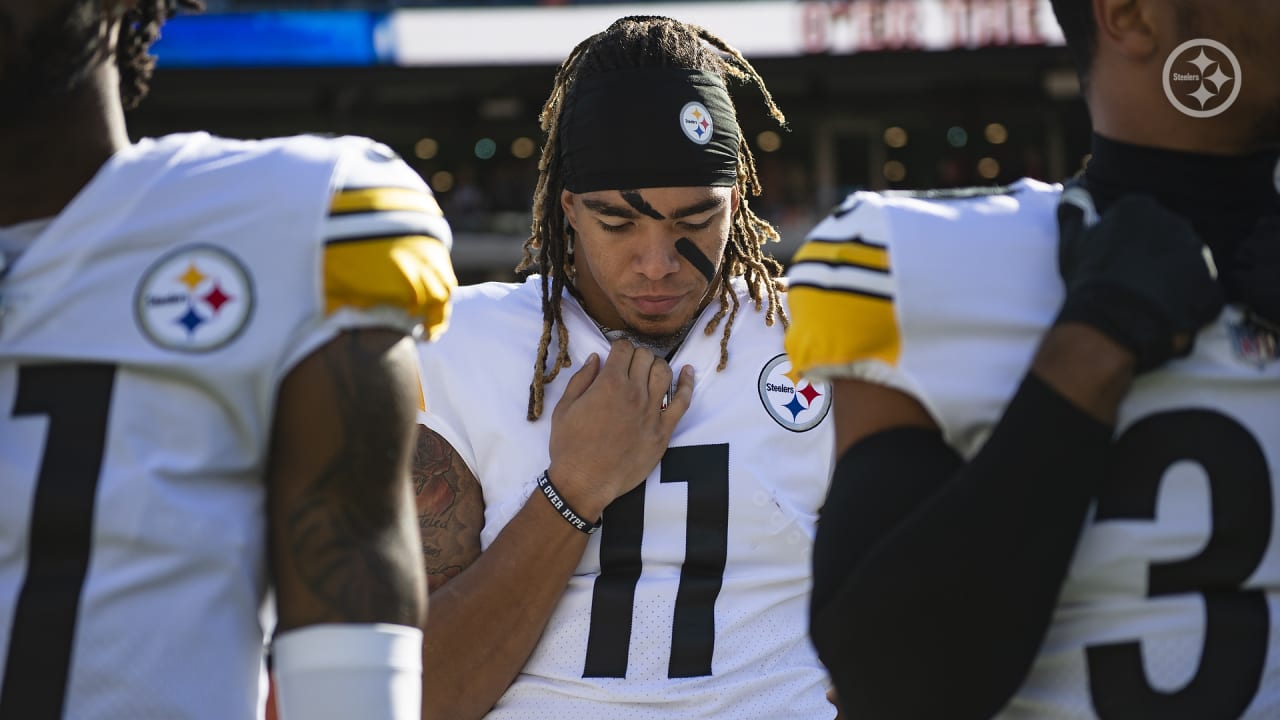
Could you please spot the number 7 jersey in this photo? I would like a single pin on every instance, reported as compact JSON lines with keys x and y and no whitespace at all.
{"x":1169,"y":609}
{"x":144,"y":334}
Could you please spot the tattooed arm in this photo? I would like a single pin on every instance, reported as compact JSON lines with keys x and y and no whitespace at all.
{"x":450,"y":508}
{"x":487,"y":609}
{"x":344,"y":548}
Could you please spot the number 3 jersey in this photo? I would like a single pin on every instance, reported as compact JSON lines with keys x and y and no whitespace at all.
{"x":144,"y":334}
{"x":691,"y":600}
{"x":1170,"y":607}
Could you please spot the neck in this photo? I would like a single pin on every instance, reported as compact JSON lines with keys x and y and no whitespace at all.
{"x":1128,"y":104}
{"x":1223,"y":197}
{"x":58,"y":147}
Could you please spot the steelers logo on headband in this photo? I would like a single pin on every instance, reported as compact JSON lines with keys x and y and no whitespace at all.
{"x":696,"y":122}
{"x":647,"y":128}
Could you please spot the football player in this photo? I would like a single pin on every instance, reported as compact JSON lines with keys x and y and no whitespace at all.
{"x":207,"y":389}
{"x":1058,"y":413}
{"x":622,"y":546}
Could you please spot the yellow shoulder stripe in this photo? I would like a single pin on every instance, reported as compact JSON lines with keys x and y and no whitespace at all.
{"x":844,"y":253}
{"x":830,"y":328}
{"x":383,"y":199}
{"x":412,"y":273}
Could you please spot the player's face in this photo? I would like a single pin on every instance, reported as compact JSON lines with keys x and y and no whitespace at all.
{"x":630,"y":268}
{"x":45,"y":49}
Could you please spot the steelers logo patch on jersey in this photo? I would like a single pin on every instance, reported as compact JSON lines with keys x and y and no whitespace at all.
{"x":195,"y":299}
{"x":696,"y":122}
{"x":795,"y":406}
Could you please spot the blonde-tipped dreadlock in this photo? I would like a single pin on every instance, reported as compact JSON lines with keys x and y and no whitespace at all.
{"x":637,"y":42}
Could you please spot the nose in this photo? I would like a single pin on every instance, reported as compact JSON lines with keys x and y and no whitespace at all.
{"x":656,"y":255}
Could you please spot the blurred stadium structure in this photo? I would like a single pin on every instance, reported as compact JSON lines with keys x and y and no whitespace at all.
{"x":879,"y":93}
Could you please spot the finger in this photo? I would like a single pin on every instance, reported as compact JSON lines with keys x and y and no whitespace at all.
{"x":579,"y":383}
{"x":641,"y":363}
{"x":619,"y":360}
{"x":660,"y":381}
{"x":679,"y":401}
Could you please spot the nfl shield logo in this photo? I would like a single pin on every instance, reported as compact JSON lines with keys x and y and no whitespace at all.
{"x":1255,"y":343}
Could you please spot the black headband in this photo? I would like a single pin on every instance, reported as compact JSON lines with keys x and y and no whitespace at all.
{"x":646,"y":128}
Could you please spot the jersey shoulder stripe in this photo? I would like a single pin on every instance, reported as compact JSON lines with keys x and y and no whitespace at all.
{"x":852,"y":266}
{"x":848,"y":298}
{"x":841,"y":289}
{"x":386,"y":241}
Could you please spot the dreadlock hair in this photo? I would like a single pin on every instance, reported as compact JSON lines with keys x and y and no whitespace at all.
{"x":644,"y":41}
{"x":138,"y":31}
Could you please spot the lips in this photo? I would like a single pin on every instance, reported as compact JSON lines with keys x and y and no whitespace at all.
{"x":655,"y":304}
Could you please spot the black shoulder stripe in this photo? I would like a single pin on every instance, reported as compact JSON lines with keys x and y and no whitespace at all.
{"x":855,"y":240}
{"x":843,"y":264}
{"x":846,"y":290}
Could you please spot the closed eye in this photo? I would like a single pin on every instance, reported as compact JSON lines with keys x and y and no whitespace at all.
{"x":622,"y":227}
{"x":699,"y":226}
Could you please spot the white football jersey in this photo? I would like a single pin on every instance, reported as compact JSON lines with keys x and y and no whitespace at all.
{"x":144,"y":334}
{"x":1167,"y":611}
{"x":692,"y":599}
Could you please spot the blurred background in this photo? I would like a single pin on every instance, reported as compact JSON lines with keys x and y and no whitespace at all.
{"x":879,"y":94}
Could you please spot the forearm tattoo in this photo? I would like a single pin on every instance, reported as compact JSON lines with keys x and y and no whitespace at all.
{"x":338,"y":528}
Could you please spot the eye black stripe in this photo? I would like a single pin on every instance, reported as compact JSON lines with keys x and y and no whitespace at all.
{"x":637,"y":201}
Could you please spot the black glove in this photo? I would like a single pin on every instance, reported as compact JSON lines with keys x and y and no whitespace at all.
{"x":1139,"y":274}
{"x":1255,"y":272}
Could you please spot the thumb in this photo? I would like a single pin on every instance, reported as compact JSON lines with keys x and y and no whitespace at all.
{"x":579,"y":383}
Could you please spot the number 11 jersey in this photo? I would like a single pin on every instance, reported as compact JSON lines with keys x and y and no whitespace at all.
{"x":692,"y":599}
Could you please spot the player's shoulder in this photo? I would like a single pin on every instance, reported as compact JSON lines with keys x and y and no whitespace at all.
{"x":350,"y":161}
{"x":486,"y":302}
{"x":487,"y":315}
{"x":196,"y":151}
{"x":873,"y":216}
{"x":884,"y":265}
{"x":386,"y":240}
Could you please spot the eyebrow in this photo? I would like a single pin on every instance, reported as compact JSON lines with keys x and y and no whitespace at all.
{"x":600,"y":207}
{"x":712,"y":203}
{"x":608,"y":209}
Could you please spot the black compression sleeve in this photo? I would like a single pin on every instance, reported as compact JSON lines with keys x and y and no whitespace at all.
{"x":862,"y":506}
{"x":946,"y":609}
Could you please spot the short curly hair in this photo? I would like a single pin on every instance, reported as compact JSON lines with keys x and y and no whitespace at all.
{"x":139,"y":30}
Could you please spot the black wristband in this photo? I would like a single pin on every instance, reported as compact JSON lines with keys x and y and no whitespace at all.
{"x":553,"y":496}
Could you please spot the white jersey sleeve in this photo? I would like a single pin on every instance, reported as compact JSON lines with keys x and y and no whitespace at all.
{"x":899,"y":288}
{"x":386,"y":248}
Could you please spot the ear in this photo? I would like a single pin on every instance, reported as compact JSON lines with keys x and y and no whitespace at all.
{"x":569,"y":208}
{"x":1127,"y":27}
{"x":734,"y":199}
